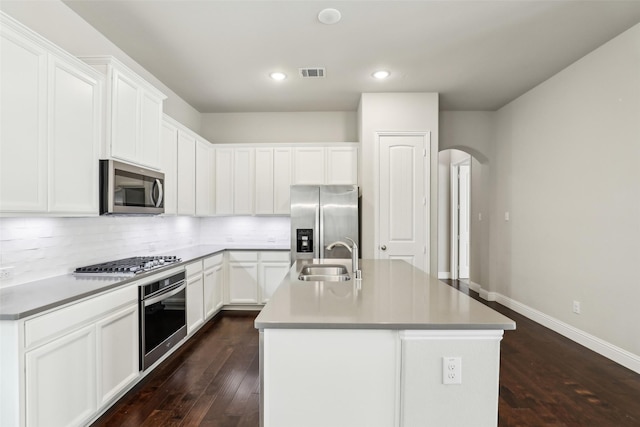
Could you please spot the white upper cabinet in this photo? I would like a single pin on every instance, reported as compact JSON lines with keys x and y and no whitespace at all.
{"x":264,"y":181}
{"x":50,"y":111}
{"x":186,"y":173}
{"x":243,"y":173}
{"x":205,"y":176}
{"x":272,"y":180}
{"x":342,"y":166}
{"x":74,"y":135}
{"x":282,"y":169}
{"x":309,"y":164}
{"x":169,"y":165}
{"x":331,"y":165}
{"x":134,"y":114}
{"x":224,"y":181}
{"x":234,"y":180}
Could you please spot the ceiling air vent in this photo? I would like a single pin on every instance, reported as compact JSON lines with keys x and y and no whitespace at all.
{"x":312,"y":73}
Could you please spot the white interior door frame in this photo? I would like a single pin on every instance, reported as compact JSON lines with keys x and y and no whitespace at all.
{"x":427,"y":182}
{"x":455,"y":216}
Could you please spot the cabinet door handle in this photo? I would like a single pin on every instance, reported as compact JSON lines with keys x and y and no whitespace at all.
{"x":383,"y":247}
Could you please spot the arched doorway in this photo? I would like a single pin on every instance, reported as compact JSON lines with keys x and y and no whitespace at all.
{"x":454,"y":214}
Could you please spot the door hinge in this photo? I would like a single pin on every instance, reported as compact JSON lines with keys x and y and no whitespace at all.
{"x":424,"y":249}
{"x":424,"y":201}
{"x":424,"y":153}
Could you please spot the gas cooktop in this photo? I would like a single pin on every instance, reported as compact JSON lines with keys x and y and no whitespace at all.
{"x":128,"y":266}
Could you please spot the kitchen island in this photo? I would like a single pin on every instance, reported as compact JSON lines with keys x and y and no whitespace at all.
{"x":378,"y":351}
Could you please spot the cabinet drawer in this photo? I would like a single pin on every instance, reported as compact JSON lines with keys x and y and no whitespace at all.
{"x":47,"y":326}
{"x":240,"y":256}
{"x":274,"y":256}
{"x":212,"y":261}
{"x":193,"y":268}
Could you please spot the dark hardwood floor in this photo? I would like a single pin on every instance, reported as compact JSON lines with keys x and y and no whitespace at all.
{"x":545,"y":380}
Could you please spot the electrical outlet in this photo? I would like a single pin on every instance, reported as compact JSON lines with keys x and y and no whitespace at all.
{"x":576,"y":307}
{"x":507,"y":216}
{"x":6,"y":273}
{"x":451,"y":370}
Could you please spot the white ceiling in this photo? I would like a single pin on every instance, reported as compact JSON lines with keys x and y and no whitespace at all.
{"x":479,"y":55}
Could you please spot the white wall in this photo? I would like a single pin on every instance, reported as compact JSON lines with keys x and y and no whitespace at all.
{"x":566,"y":168}
{"x":396,"y":112}
{"x":336,"y":126}
{"x":53,"y":20}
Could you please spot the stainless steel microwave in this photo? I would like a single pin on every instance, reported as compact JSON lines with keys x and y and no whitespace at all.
{"x":129,"y":189}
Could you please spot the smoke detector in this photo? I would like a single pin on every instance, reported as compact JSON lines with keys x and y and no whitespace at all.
{"x":312,"y":73}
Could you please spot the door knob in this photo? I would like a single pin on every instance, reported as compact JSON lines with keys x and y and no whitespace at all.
{"x":383,"y":247}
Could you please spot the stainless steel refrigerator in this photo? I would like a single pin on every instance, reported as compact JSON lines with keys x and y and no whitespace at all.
{"x":321,"y":215}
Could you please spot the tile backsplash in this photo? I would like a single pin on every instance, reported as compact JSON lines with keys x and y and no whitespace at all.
{"x":37,"y":248}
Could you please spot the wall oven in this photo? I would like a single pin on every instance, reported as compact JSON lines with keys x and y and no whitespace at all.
{"x":163,"y":317}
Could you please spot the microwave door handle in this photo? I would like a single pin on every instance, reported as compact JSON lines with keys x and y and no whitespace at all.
{"x":156,"y":184}
{"x":160,"y":193}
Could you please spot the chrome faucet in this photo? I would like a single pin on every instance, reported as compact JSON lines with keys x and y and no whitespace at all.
{"x":354,"y":255}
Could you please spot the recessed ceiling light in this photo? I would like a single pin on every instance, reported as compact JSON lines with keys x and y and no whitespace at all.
{"x":382,"y":74}
{"x":329,"y":16}
{"x":277,"y":75}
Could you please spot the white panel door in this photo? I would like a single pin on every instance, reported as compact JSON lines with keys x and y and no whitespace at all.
{"x":61,"y":380}
{"x":342,"y":166}
{"x":118,"y":363}
{"x":264,"y":187}
{"x":23,"y":118}
{"x":243,"y":177}
{"x":463,"y":220}
{"x":243,"y":283}
{"x":282,"y":167}
{"x":150,"y":122}
{"x":195,"y":303}
{"x":271,"y":275}
{"x":124,"y":125}
{"x":186,"y":174}
{"x":213,"y":278}
{"x":169,"y":165}
{"x":224,"y":181}
{"x":309,"y":166}
{"x":74,"y":137}
{"x":402,"y":198}
{"x":204,"y":182}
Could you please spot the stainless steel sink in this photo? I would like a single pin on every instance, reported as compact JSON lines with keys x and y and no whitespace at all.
{"x":324,"y":273}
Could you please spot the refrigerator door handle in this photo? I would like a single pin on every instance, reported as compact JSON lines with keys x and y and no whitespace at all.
{"x":319,"y":231}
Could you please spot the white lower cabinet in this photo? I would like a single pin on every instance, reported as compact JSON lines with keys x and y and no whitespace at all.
{"x":195,"y":305}
{"x":254,"y":276}
{"x":213,"y":277}
{"x":118,"y":357}
{"x":61,"y":380}
{"x":273,"y":267}
{"x":243,"y":277}
{"x":78,"y":358}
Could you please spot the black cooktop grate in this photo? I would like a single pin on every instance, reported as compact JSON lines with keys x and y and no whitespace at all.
{"x":133,"y":265}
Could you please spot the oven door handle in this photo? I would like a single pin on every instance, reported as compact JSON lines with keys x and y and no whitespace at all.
{"x":176,"y":290}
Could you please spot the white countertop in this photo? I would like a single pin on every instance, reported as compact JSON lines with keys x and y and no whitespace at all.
{"x":17,"y":302}
{"x":392,"y":295}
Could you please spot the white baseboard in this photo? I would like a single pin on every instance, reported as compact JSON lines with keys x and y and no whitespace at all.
{"x":604,"y":348}
{"x":444,"y":275}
